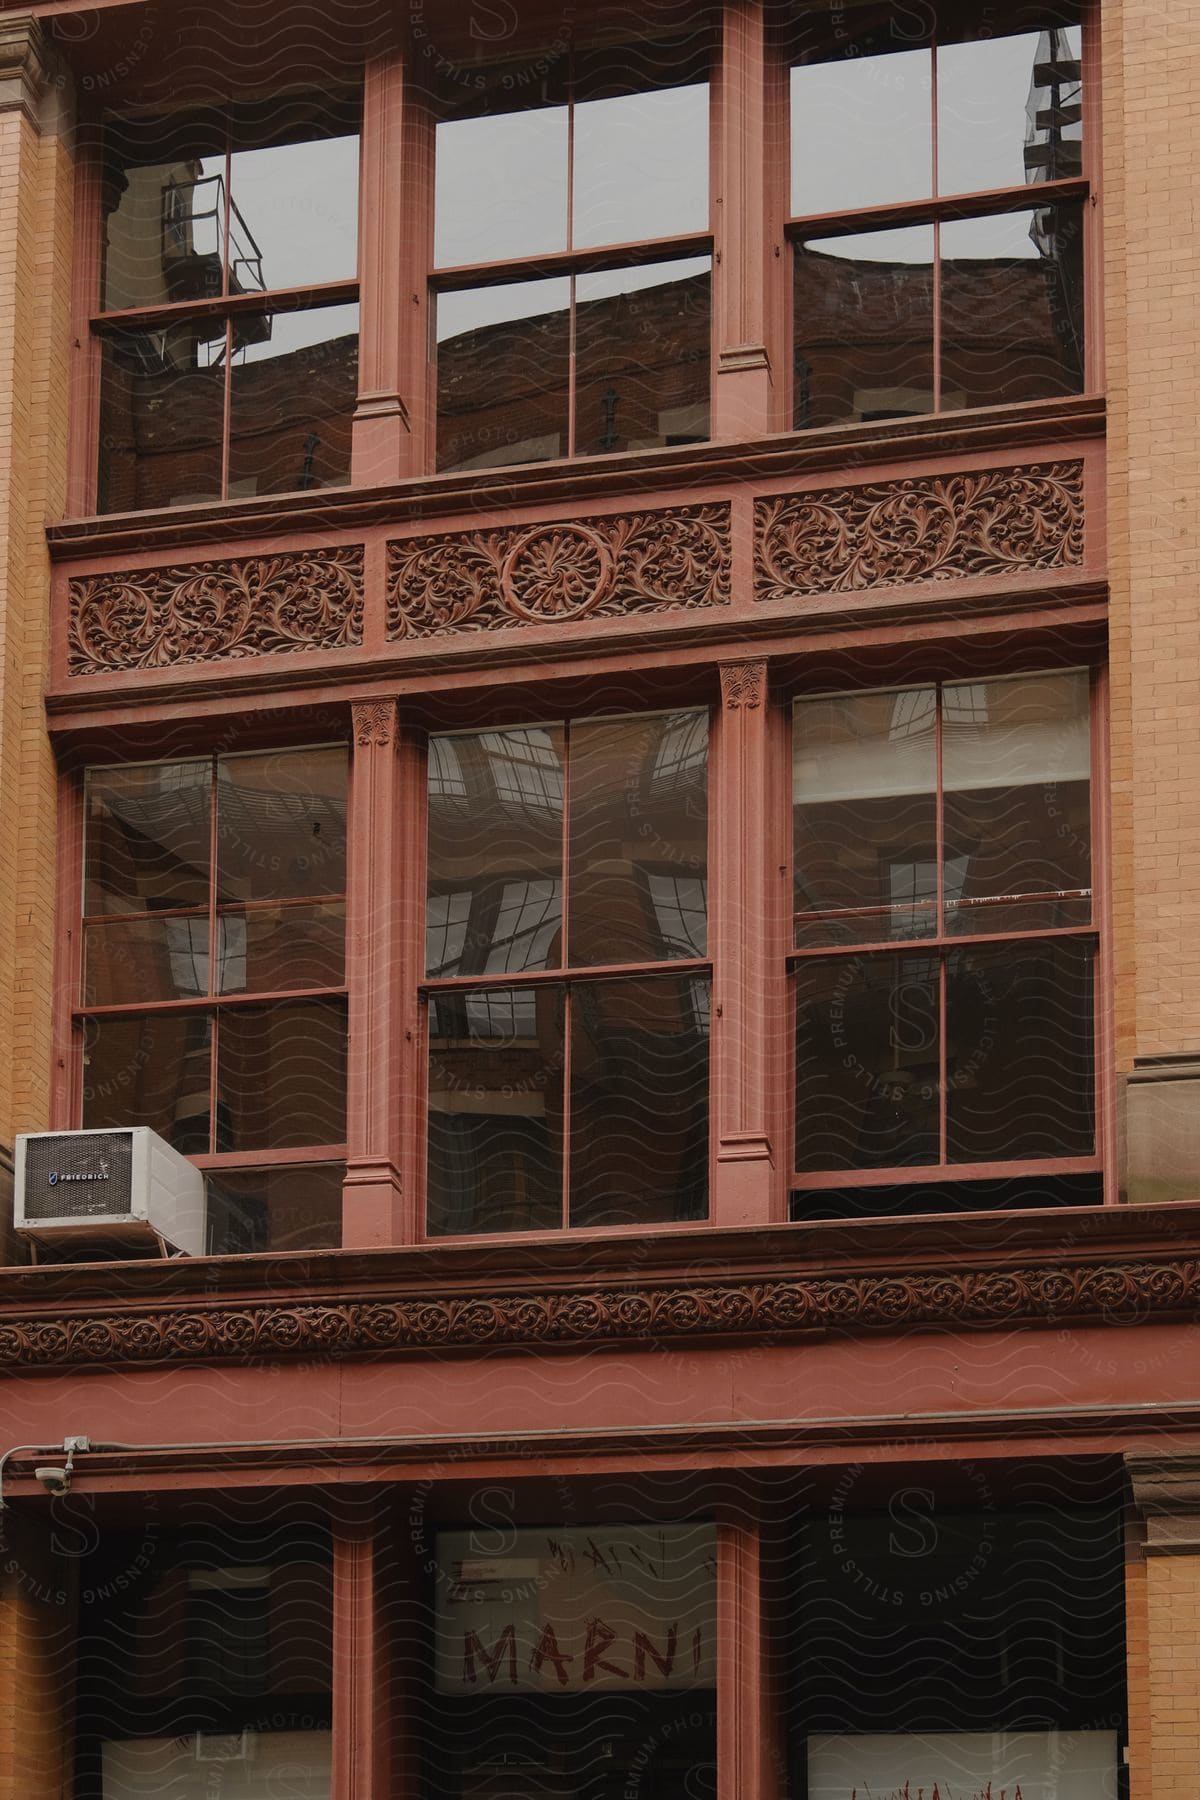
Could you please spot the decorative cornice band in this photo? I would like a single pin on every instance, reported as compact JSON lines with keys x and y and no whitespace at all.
{"x":1121,"y":1293}
{"x":996,"y":522}
{"x":216,"y":611}
{"x":555,"y":572}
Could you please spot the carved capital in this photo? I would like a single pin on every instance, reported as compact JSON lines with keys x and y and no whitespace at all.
{"x":374,"y":723}
{"x":744,"y":685}
{"x":1166,"y":1492}
{"x":24,"y":63}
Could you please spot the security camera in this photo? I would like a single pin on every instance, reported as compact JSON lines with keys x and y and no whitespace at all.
{"x":56,"y":1481}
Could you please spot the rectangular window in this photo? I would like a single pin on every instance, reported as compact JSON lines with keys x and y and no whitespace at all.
{"x":938,"y":198}
{"x":567,"y":975}
{"x":572,"y":258}
{"x":945,"y":946}
{"x":228,"y":314}
{"x":213,"y":996}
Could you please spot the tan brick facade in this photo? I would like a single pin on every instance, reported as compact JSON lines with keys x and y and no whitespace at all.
{"x":35,"y":248}
{"x":35,"y":1638}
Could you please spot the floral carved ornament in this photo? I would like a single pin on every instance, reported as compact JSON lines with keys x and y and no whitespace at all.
{"x":558,"y":572}
{"x":926,"y":528}
{"x":216,"y":611}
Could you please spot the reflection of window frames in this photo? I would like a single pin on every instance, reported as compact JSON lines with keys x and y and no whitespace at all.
{"x":863,"y":957}
{"x":885,"y":294}
{"x":594,"y":409}
{"x":210,"y":306}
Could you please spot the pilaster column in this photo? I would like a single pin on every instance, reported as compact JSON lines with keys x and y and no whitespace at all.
{"x":752,"y":263}
{"x":362,"y":1721}
{"x":395,"y":251}
{"x":749,"y":1185}
{"x":380,"y":1191}
{"x":1163,"y":1625}
{"x":749,"y":1750}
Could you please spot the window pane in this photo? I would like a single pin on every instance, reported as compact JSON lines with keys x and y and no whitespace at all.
{"x":638,"y":839}
{"x":494,"y":896}
{"x":864,"y":327}
{"x":641,"y":166}
{"x":501,"y":186}
{"x":133,"y":960}
{"x":864,"y":780}
{"x":642,"y":356}
{"x":281,"y":1075}
{"x":162,"y":411}
{"x":147,"y":837}
{"x":164,"y":201}
{"x":1019,"y":1051}
{"x":293,"y":391}
{"x":503,"y":374}
{"x":495,"y":1110}
{"x":639,"y":1101}
{"x":1015,"y":766}
{"x":862,"y":126}
{"x":154,"y":1070}
{"x":281,"y":824}
{"x":1009,"y":111}
{"x":297,"y":1208}
{"x":266,"y":949}
{"x":867,"y":1062}
{"x":1012,"y":307}
{"x":293,"y":204}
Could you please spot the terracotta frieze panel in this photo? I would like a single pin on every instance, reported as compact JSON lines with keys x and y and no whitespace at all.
{"x":1124,"y":1293}
{"x":216,"y":611}
{"x":558,"y":572}
{"x":925,"y":528}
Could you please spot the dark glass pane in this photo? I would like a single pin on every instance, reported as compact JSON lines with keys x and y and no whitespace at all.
{"x":641,"y":166}
{"x":1019,"y":1051}
{"x":154,"y":1070}
{"x":864,"y":783}
{"x":495,"y":1110}
{"x":501,"y":185}
{"x":297,"y":1208}
{"x":133,"y":960}
{"x":867,"y":1062}
{"x":494,"y":896}
{"x":1009,"y":111}
{"x":503,"y":374}
{"x":862,"y":123}
{"x":1012,"y":307}
{"x":642,"y":356}
{"x":638,"y":839}
{"x":1015,"y":770}
{"x":267,"y":949}
{"x":162,"y":415}
{"x":147,"y":837}
{"x":864,"y":327}
{"x":293,"y":391}
{"x":281,"y":1075}
{"x":639,"y":1101}
{"x":281,"y":824}
{"x":1018,"y":1193}
{"x":293,"y":187}
{"x":164,"y":211}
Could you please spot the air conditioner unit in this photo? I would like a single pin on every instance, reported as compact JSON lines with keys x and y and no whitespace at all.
{"x":126,"y":1186}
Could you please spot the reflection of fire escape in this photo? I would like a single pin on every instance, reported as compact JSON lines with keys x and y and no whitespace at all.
{"x":200,"y":207}
{"x":1054,"y":152}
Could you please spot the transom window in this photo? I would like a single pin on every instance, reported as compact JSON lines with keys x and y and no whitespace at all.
{"x":567,"y":975}
{"x":937,"y":201}
{"x":228,"y":316}
{"x":572,"y":257}
{"x":943,"y":930}
{"x":213,"y":982}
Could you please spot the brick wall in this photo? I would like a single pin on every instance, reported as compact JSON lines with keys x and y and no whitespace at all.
{"x":36,"y":1659}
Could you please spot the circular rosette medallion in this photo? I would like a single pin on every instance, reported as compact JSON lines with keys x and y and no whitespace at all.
{"x":553,"y":573}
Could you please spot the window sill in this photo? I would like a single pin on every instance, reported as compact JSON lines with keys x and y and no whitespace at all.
{"x":835,"y":448}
